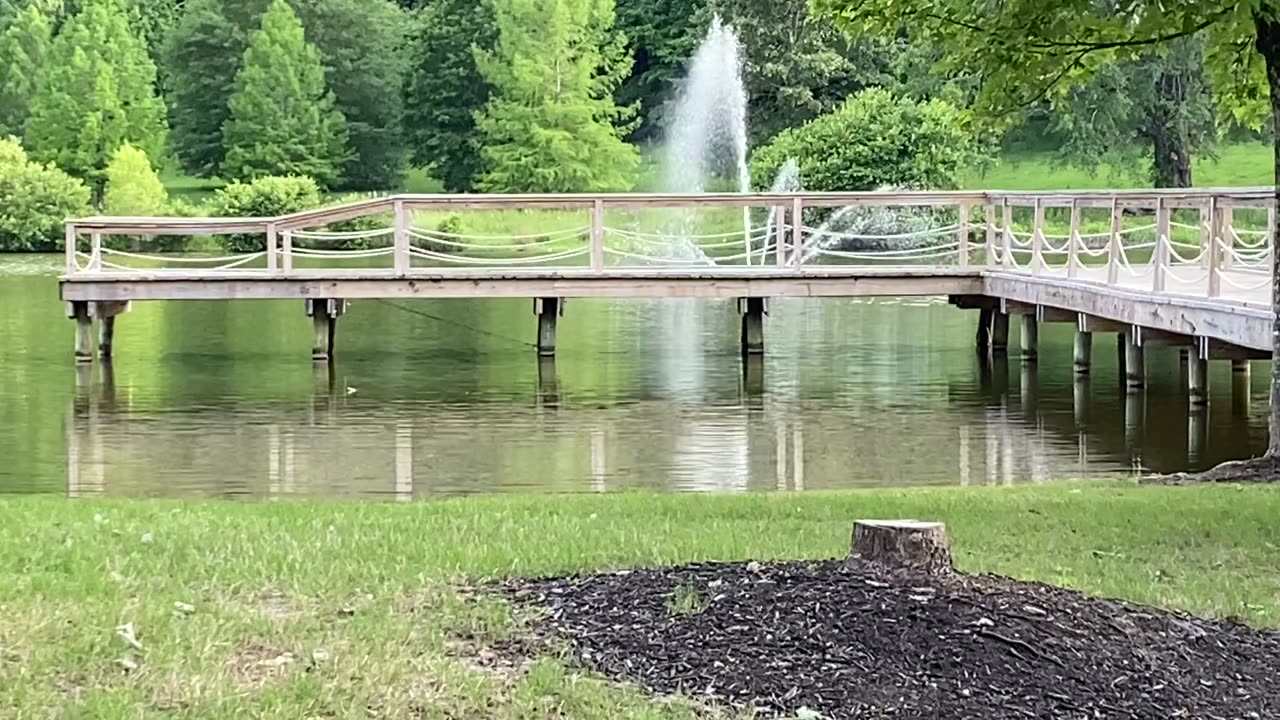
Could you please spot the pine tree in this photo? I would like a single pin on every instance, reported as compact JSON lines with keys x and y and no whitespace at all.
{"x":23,"y":47}
{"x":283,"y":120}
{"x":95,"y":93}
{"x":133,"y":188}
{"x":551,"y":124}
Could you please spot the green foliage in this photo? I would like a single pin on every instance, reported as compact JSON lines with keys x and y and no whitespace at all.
{"x":35,"y":201}
{"x":444,"y":90}
{"x":875,"y":139}
{"x":263,"y":197}
{"x":133,"y":188}
{"x":23,"y":47}
{"x":95,"y":93}
{"x":661,"y":36}
{"x":551,"y":124}
{"x":360,"y":44}
{"x":203,"y":54}
{"x":798,"y":65}
{"x":283,"y":120}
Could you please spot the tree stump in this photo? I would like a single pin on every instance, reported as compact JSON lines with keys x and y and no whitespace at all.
{"x":903,"y":544}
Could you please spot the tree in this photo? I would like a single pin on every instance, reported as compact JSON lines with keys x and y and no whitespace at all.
{"x":35,"y":200}
{"x":360,"y":44}
{"x":1154,"y":110}
{"x":23,"y":47}
{"x":661,"y":36}
{"x":798,"y":65}
{"x":283,"y":119}
{"x":444,"y":90}
{"x":872,"y":140}
{"x":1030,"y":50}
{"x":133,"y":188}
{"x":551,"y":124}
{"x":203,"y":53}
{"x":95,"y":93}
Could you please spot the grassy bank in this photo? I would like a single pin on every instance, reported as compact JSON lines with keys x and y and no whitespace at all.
{"x":287,"y":610}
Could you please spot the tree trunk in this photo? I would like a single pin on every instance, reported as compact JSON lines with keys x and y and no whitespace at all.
{"x":1171,"y":148}
{"x":1268,"y":42}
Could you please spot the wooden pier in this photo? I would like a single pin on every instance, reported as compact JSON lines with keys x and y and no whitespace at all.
{"x":1171,"y":267}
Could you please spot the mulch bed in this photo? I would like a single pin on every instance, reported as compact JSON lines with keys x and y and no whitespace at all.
{"x":850,"y":641}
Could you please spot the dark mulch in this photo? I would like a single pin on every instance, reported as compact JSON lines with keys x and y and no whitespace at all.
{"x":1257,"y":470}
{"x":853,"y":642}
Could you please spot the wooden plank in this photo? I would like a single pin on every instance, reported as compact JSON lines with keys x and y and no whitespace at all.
{"x":963,"y":233}
{"x":1073,"y":240}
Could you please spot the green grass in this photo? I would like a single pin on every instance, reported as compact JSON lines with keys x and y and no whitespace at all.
{"x":1237,"y":164}
{"x":353,"y":610}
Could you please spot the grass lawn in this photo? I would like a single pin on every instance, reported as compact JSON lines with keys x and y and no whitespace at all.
{"x":306,"y":610}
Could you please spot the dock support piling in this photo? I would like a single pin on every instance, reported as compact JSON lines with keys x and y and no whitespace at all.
{"x":1197,"y":378}
{"x":999,"y":332}
{"x":1240,"y":389}
{"x":1135,"y":365}
{"x":106,"y":313}
{"x":753,"y":312}
{"x":984,"y":329}
{"x":79,"y":311}
{"x":548,"y":310}
{"x":324,"y":314}
{"x":1083,"y":359}
{"x":1030,"y":338}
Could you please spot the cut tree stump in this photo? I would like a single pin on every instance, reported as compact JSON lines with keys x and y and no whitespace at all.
{"x":903,"y":544}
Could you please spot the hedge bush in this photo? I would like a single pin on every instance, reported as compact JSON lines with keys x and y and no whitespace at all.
{"x":35,"y":201}
{"x":265,"y":197}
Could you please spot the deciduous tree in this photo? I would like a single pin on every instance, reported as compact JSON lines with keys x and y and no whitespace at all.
{"x":23,"y":47}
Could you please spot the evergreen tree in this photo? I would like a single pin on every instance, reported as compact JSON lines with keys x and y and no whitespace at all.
{"x":444,"y":91}
{"x":360,"y":44}
{"x":552,"y":124}
{"x":283,"y":120}
{"x":133,"y":188}
{"x":95,"y":93}
{"x":23,"y":47}
{"x":203,"y":53}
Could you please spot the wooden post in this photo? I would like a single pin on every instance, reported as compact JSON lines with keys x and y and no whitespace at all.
{"x":1030,"y":338}
{"x":78,"y":310}
{"x":324,"y":314}
{"x":1083,"y":357}
{"x":1214,"y":250}
{"x":286,"y":252}
{"x":984,"y":328}
{"x":1037,"y":239}
{"x":989,"y":213}
{"x":1197,"y":378}
{"x":1115,"y":250}
{"x":902,"y":545}
{"x":106,"y":313}
{"x":753,"y":311}
{"x":1205,"y":225}
{"x":779,"y":236}
{"x":95,"y":252}
{"x":597,"y":236}
{"x":1228,"y":235}
{"x":797,"y":232}
{"x":400,"y":242}
{"x":999,"y":332}
{"x":548,"y":311}
{"x":1006,"y":222}
{"x":69,"y":248}
{"x":964,"y":235}
{"x":1073,"y":240}
{"x":272,"y":260}
{"x":1135,"y":366}
{"x":1162,"y":245}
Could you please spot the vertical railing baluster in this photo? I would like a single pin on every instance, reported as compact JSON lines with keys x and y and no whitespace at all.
{"x":286,"y":250}
{"x":1038,"y":262}
{"x":1006,"y":220}
{"x":95,"y":252}
{"x":1115,"y":250}
{"x":1162,"y":245}
{"x":272,"y":261}
{"x":1213,"y":249}
{"x":964,"y":234}
{"x":69,"y":248}
{"x":1229,"y":235}
{"x":989,"y":215}
{"x":1074,"y":240}
{"x":597,"y":236}
{"x":797,"y":232}
{"x":779,"y":236}
{"x":400,"y":241}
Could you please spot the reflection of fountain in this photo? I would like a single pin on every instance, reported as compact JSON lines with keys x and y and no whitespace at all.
{"x":708,"y":136}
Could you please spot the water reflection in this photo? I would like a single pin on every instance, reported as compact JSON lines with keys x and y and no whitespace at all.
{"x":222,"y":399}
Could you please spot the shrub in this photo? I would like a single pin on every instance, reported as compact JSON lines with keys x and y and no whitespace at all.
{"x":133,"y":188}
{"x":35,"y":201}
{"x":875,"y":139}
{"x":265,"y":197}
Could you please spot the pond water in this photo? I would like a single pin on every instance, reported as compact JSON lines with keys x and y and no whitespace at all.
{"x":432,"y":398}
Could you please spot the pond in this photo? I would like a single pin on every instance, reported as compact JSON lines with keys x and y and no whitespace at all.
{"x":437,"y":398}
